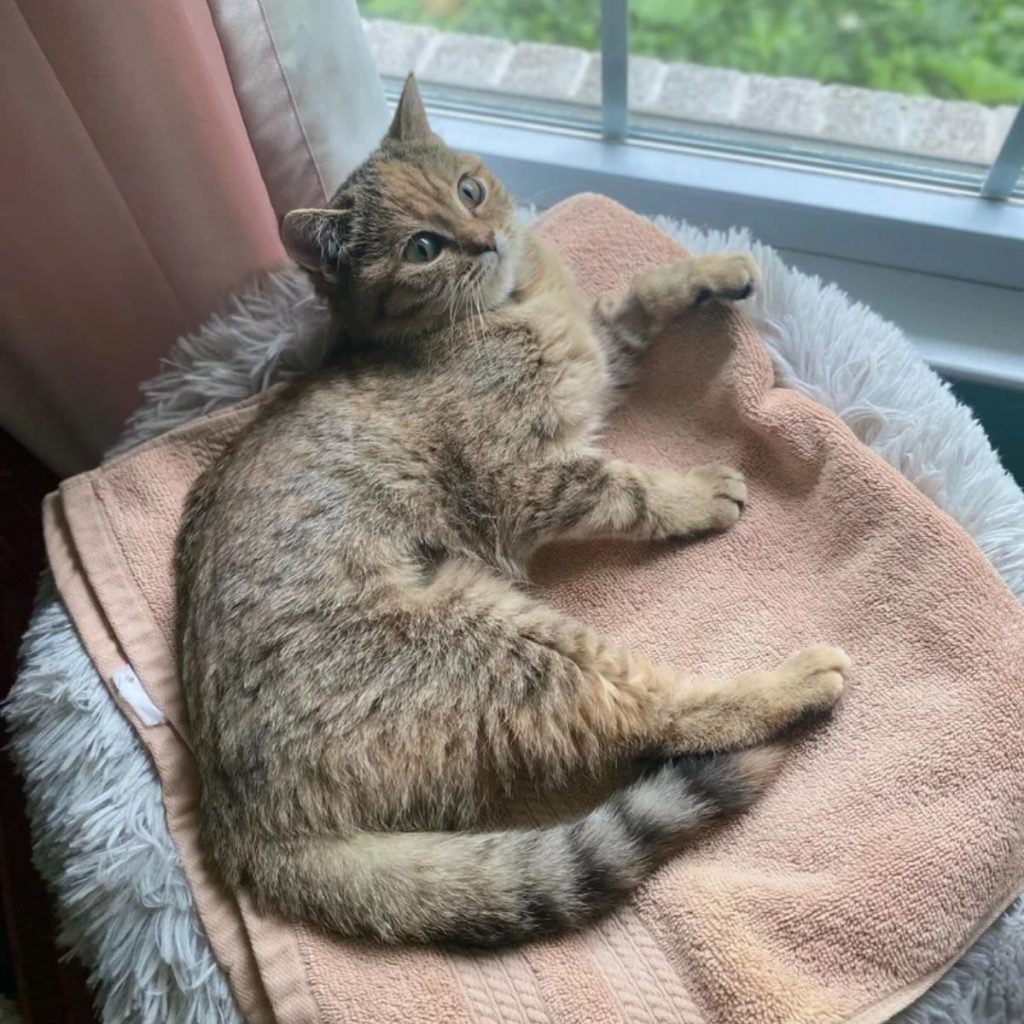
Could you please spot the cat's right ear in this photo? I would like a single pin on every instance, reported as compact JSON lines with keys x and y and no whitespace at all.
{"x":313,"y":238}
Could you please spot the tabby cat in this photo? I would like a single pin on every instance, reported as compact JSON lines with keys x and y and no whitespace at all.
{"x":365,"y":671}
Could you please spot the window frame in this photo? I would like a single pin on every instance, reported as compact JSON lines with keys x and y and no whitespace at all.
{"x":1009,"y":163}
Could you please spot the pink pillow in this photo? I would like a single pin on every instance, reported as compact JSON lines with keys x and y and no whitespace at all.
{"x":308,"y":90}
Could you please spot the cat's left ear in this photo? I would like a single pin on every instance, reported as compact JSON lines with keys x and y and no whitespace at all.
{"x":314,"y":238}
{"x":410,"y":121}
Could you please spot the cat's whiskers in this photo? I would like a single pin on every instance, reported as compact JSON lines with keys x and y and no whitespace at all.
{"x":451,"y":319}
{"x":473,"y":325}
{"x":478,"y":304}
{"x":470,"y":300}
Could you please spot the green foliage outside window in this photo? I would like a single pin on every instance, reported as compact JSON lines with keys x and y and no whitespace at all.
{"x":952,"y":49}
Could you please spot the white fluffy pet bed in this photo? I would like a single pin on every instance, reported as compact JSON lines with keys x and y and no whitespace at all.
{"x":101,"y":839}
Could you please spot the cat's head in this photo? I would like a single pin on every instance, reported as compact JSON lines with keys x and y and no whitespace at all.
{"x":417,"y":235}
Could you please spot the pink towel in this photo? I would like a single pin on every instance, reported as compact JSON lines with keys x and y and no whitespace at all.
{"x":893,"y":836}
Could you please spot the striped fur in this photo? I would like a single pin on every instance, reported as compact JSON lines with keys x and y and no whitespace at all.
{"x":495,"y":888}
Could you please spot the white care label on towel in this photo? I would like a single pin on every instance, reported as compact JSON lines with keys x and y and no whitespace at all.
{"x":134,"y":695}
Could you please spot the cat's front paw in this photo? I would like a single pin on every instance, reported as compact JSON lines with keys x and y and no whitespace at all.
{"x":729,"y":276}
{"x":721,"y":495}
{"x":706,"y":499}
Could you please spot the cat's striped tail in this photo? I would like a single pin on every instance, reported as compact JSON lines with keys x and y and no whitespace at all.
{"x":493,"y":888}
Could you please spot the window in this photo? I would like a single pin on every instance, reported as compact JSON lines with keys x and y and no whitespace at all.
{"x":920,"y":90}
{"x":536,"y":56}
{"x":903,"y":82}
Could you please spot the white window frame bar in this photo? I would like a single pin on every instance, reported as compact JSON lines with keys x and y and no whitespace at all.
{"x":1006,"y":168}
{"x":615,"y":69}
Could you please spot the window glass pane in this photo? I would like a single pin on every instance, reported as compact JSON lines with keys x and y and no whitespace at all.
{"x":923,"y":88}
{"x":918,"y":79}
{"x":538,"y":55}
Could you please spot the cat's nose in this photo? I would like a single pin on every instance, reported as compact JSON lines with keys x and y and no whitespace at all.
{"x":482,"y":243}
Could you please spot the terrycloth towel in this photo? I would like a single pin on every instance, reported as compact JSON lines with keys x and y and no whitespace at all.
{"x":892,"y":838}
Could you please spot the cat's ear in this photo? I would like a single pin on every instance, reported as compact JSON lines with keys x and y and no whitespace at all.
{"x":313,"y":238}
{"x":410,"y":121}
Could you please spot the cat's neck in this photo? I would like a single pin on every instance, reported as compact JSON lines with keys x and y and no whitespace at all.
{"x":543,"y":275}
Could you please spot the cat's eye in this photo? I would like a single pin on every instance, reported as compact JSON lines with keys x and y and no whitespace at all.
{"x":423,"y":247}
{"x":471,"y":191}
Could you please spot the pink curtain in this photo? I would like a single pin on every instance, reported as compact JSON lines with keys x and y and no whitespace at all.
{"x":132,"y":202}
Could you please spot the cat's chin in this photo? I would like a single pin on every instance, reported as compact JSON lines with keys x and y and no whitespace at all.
{"x":498,"y":281}
{"x":504,"y":277}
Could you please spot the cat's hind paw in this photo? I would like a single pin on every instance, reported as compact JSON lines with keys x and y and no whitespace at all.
{"x":813,"y":679}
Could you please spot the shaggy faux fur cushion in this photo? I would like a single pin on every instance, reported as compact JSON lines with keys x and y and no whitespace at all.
{"x":99,"y":823}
